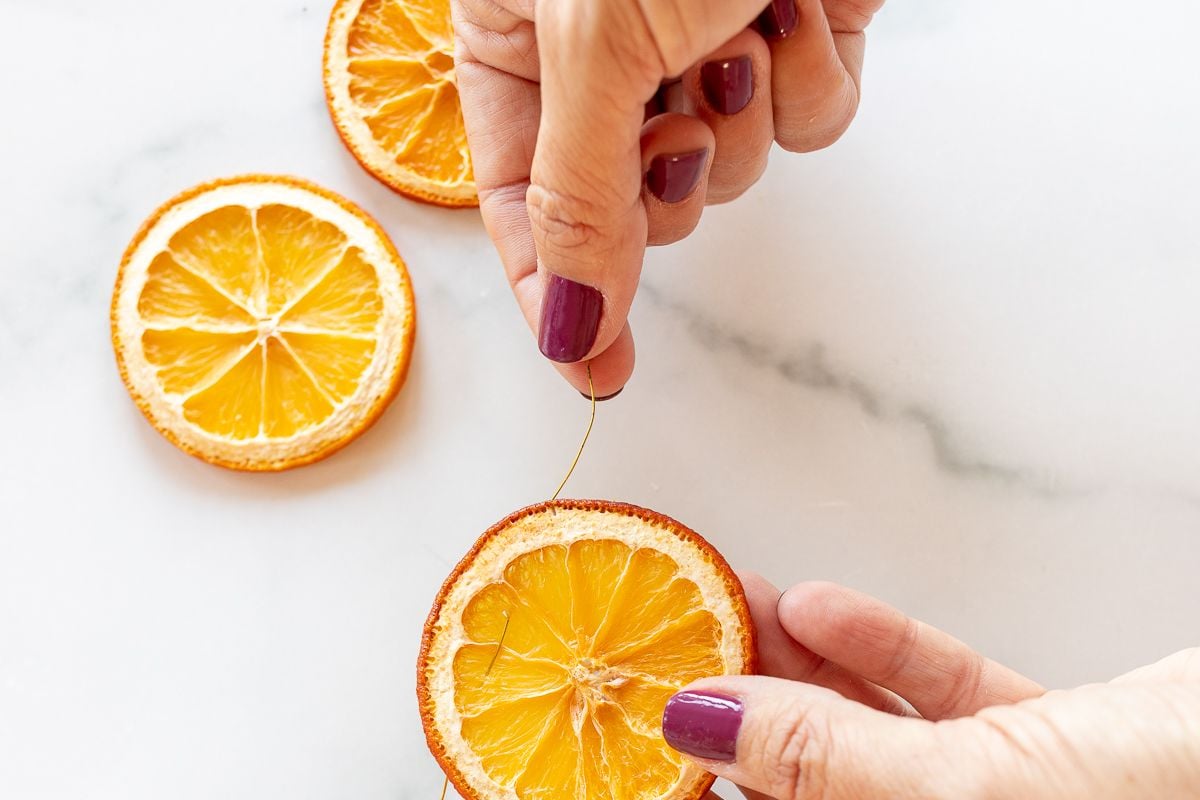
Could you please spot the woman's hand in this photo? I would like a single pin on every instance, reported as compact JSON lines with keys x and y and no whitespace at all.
{"x":577,"y":170}
{"x":864,"y":702}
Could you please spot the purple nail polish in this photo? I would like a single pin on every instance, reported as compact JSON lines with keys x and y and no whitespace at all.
{"x":728,"y":84}
{"x":570,"y":319}
{"x":672,"y":178}
{"x":778,"y":19}
{"x":606,"y":397}
{"x":703,"y":725}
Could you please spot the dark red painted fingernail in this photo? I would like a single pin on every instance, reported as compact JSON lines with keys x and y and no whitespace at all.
{"x":728,"y":84}
{"x":671,"y":178}
{"x":778,"y":19}
{"x":588,"y":397}
{"x":570,"y":319}
{"x":703,"y":725}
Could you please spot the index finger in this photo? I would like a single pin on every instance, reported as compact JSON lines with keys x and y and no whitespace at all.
{"x":939,"y":675}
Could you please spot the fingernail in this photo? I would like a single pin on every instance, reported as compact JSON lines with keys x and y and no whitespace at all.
{"x":672,"y":178}
{"x":570,"y":319}
{"x":703,"y":725}
{"x":728,"y":84}
{"x":588,"y":397}
{"x":778,"y":19}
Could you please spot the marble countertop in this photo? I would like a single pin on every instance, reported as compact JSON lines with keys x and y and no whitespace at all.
{"x":953,"y":361}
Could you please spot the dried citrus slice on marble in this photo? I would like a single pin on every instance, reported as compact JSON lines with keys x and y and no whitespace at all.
{"x":261,"y":322}
{"x":554,"y":646}
{"x":389,"y":83}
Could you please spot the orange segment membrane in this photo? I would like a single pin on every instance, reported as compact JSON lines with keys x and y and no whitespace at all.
{"x":375,"y":81}
{"x":297,"y":250}
{"x":437,"y":149}
{"x":599,"y":636}
{"x":261,"y":319}
{"x":383,"y":29}
{"x":401,"y":76}
{"x":222,"y":248}
{"x":232,"y":406}
{"x":175,"y":296}
{"x":188,"y":359}
{"x":345,"y":301}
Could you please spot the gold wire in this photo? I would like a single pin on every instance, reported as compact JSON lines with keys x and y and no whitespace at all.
{"x":486,"y":672}
{"x":586,"y":434}
{"x":567,"y":477}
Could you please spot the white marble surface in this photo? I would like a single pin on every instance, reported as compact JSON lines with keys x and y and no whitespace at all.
{"x":954,"y":361}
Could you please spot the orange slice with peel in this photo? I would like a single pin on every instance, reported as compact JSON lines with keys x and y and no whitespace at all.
{"x":261,"y":322}
{"x":389,"y":83}
{"x":555,"y":644}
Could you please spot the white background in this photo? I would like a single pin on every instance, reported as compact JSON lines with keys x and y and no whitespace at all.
{"x":954,"y":361}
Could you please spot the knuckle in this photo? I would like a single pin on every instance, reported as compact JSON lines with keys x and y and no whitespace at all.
{"x":491,"y":35}
{"x":796,"y":757}
{"x":563,"y":222}
{"x":903,"y":650}
{"x":667,"y":26}
{"x":963,"y":687}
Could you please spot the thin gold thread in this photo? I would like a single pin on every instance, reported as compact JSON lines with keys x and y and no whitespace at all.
{"x":486,"y":672}
{"x":499,"y":644}
{"x":586,"y":434}
{"x":567,"y":477}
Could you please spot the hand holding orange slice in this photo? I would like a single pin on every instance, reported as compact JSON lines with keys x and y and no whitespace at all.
{"x":261,"y":323}
{"x":389,"y":82}
{"x":553,"y":647}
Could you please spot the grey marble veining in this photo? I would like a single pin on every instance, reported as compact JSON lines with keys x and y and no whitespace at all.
{"x":952,"y":361}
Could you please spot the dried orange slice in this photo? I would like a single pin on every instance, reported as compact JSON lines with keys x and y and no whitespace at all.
{"x":261,"y":322}
{"x":389,"y":83}
{"x":554,"y":646}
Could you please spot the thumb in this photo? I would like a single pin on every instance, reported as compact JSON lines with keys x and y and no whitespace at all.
{"x":796,"y":741}
{"x":600,"y":62}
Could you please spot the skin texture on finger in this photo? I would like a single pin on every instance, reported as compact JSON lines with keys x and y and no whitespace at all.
{"x":781,"y":656}
{"x":817,"y":70}
{"x":801,"y":742}
{"x":676,"y":155}
{"x":1181,"y":667}
{"x":499,"y":34}
{"x":584,"y":199}
{"x":501,"y":112}
{"x":1101,"y":741}
{"x":583,"y":213}
{"x":683,"y":30}
{"x":729,"y":90}
{"x":939,"y":675}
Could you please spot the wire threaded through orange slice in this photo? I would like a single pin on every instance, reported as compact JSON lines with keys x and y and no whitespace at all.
{"x":261,"y":322}
{"x":553,"y":647}
{"x":389,"y":82}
